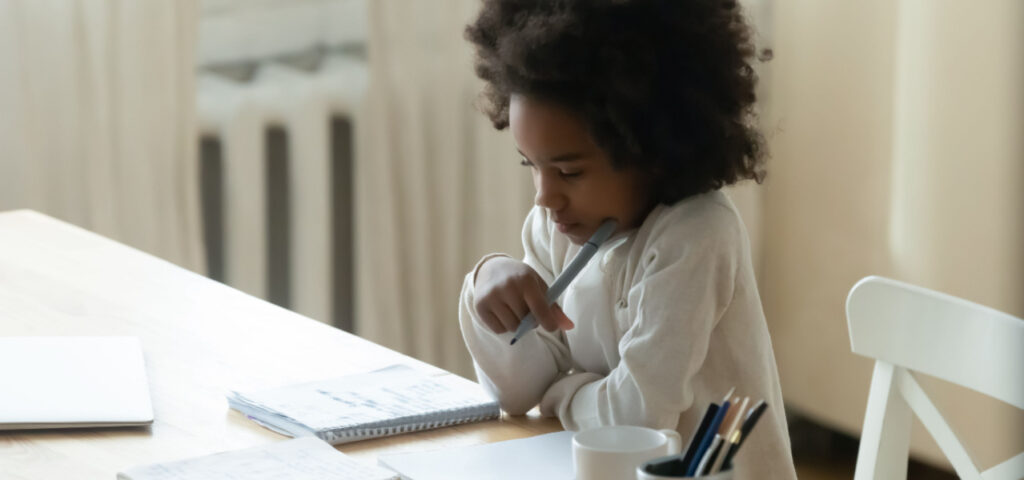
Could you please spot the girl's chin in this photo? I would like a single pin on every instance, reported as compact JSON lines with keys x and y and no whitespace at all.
{"x":567,"y":229}
{"x":577,"y":235}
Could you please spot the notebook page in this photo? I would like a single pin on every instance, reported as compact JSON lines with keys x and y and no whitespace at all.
{"x":381,"y":397}
{"x":299,"y":459}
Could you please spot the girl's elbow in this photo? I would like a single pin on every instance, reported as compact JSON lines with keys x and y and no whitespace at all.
{"x":512,"y":400}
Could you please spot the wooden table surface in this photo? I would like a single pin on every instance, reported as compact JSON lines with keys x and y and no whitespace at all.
{"x":200,"y":339}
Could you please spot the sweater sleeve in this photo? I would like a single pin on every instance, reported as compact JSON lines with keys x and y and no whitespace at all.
{"x":517,"y":376}
{"x":686,"y":286}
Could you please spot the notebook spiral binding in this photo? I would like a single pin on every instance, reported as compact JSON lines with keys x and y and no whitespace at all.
{"x":347,"y":434}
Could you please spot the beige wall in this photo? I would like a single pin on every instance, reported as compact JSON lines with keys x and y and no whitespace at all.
{"x":895,"y":130}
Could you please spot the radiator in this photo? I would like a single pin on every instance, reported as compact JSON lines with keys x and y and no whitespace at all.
{"x":276,"y":157}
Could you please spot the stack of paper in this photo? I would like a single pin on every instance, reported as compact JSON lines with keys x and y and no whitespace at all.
{"x":61,"y":382}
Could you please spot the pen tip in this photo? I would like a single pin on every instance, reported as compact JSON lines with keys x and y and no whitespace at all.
{"x":513,"y":341}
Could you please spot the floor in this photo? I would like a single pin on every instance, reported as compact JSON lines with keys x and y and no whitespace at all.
{"x":823,"y":454}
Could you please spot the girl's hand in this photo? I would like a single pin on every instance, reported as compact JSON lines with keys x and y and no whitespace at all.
{"x":507,"y":289}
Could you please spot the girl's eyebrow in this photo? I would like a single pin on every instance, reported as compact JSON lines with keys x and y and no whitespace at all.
{"x":565,"y":157}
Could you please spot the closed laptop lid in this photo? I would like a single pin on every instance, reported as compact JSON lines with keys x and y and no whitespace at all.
{"x":58,"y":382}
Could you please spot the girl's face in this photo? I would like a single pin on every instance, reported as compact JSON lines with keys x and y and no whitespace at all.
{"x":574,"y":178}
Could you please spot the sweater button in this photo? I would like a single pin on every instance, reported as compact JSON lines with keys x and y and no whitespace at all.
{"x":622,"y":304}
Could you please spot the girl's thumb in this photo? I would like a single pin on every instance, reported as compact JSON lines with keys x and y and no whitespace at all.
{"x":563,"y":319}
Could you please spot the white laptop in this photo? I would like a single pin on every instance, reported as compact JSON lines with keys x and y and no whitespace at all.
{"x":61,"y":382}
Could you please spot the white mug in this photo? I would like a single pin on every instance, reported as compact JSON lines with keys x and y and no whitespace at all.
{"x":615,"y":452}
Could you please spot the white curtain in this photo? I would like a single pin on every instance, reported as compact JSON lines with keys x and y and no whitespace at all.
{"x":96,"y":118}
{"x":436,"y":187}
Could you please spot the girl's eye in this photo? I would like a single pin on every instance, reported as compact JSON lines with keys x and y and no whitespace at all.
{"x":568,"y":175}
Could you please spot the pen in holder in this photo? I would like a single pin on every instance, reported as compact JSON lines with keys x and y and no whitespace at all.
{"x":718,"y":437}
{"x":671,"y":468}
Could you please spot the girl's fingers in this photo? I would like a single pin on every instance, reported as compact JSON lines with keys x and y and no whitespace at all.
{"x":563,"y":320}
{"x":537,"y":302}
{"x":491,"y":321}
{"x":502,"y":306}
{"x":508,"y":318}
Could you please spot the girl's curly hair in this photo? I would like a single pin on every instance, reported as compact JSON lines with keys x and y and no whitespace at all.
{"x":664,"y":86}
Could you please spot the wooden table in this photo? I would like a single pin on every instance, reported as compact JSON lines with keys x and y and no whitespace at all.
{"x":200,"y":339}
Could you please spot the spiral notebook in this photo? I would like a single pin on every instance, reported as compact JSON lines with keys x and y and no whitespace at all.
{"x":389,"y":401}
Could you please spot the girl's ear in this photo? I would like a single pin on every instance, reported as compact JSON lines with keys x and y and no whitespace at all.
{"x":650,"y":176}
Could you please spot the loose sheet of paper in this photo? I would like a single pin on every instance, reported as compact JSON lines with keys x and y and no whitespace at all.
{"x":542,"y":457}
{"x":299,"y":459}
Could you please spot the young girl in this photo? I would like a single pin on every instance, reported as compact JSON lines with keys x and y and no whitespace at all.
{"x":639,"y":111}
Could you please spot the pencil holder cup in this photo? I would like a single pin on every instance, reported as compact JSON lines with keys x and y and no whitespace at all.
{"x":671,"y":468}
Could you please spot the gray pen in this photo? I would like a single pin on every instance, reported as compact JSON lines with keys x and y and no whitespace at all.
{"x":555,"y":290}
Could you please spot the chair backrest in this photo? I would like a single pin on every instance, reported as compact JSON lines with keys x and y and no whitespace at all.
{"x":908,"y":328}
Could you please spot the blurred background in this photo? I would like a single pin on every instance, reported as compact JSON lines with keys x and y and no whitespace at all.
{"x":326,"y":155}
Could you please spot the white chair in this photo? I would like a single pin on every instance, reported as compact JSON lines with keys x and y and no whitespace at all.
{"x":912,"y":329}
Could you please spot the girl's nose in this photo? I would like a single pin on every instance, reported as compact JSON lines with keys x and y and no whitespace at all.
{"x":548,"y":194}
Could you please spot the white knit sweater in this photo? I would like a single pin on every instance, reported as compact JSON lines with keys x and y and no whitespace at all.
{"x":668,"y":319}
